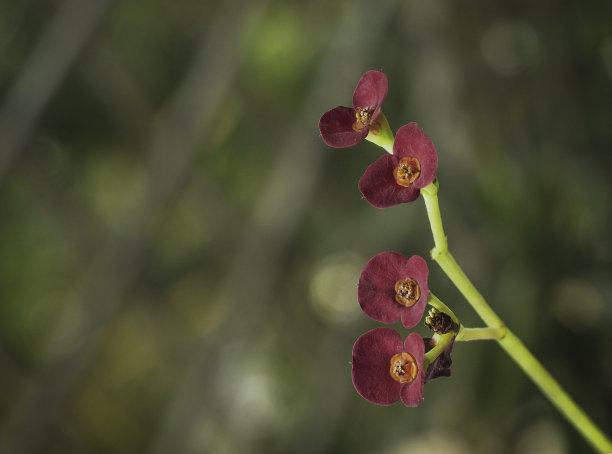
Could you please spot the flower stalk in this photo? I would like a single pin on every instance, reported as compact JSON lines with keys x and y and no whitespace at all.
{"x":393,"y":287}
{"x":507,"y":339}
{"x":442,"y":341}
{"x":446,"y":261}
{"x":471,"y":334}
{"x":380,"y":133}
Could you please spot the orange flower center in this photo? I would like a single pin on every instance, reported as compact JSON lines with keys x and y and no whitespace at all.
{"x":404,"y":368}
{"x":364,"y":115}
{"x":407,"y":292}
{"x":407,"y":171}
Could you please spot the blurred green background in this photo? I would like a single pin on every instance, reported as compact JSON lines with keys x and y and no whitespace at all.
{"x":179,"y":250}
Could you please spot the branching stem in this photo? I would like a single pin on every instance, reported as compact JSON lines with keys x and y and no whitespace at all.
{"x":508,"y":341}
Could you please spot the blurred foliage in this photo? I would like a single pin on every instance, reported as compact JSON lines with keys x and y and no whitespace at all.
{"x":179,"y":250}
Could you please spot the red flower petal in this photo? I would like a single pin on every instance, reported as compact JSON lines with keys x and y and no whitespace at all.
{"x":376,"y":289}
{"x":371,"y":91}
{"x":410,"y":141}
{"x":412,"y":393}
{"x":415,"y":268}
{"x":379,"y":187}
{"x":336,"y":128}
{"x":372,"y":354}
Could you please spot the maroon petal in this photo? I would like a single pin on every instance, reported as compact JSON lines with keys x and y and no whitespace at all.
{"x":412,"y":393}
{"x":410,"y":141}
{"x":376,"y":289}
{"x":415,"y":268}
{"x":372,"y":354}
{"x":379,"y":187}
{"x":336,"y":128}
{"x":440,"y":367}
{"x":371,"y":91}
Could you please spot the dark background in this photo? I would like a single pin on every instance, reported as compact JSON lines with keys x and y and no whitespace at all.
{"x":179,"y":250}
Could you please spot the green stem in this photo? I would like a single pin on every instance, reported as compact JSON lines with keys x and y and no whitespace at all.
{"x":557,"y":395}
{"x":461,"y":281}
{"x":442,"y":341}
{"x":381,"y":134}
{"x":510,"y":343}
{"x":446,"y":261}
{"x":430,"y":195}
{"x":471,"y":334}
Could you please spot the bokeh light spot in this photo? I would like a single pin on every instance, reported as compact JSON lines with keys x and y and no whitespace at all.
{"x":577,"y":304}
{"x":509,"y":47}
{"x":333,"y":288}
{"x":541,"y":437}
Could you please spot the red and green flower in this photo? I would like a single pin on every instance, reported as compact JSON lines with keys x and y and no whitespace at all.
{"x":346,"y":126}
{"x":399,"y":177}
{"x":386,"y":370}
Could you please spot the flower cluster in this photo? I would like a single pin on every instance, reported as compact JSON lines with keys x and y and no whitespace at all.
{"x":392,"y":179}
{"x":385,"y":369}
{"x":394,"y":288}
{"x":391,"y":287}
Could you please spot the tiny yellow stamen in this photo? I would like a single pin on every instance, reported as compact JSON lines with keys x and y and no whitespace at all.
{"x":364,"y":116}
{"x":404,"y":368}
{"x":407,"y":171}
{"x":407,"y":292}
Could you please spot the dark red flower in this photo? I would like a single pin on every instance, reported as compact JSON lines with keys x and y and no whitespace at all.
{"x":392,"y":286}
{"x":385,"y":369}
{"x":398,"y":178}
{"x":345,"y":126}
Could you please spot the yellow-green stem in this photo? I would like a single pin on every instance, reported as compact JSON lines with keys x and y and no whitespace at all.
{"x":471,"y":334}
{"x":509,"y":342}
{"x":458,"y":277}
{"x":381,"y":134}
{"x":441,"y":342}
{"x":557,"y":395}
